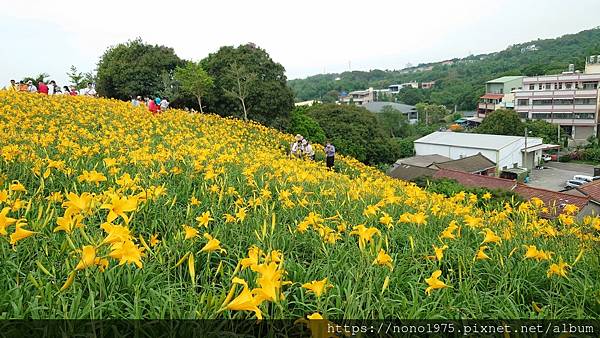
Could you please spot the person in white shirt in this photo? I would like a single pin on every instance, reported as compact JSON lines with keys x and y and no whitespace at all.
{"x":31,"y":87}
{"x":308,"y":149}
{"x":297,"y":147}
{"x":88,"y":91}
{"x":52,"y":88}
{"x":164,"y":104}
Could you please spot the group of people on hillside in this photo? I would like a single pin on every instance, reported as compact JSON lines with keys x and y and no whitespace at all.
{"x":302,"y":148}
{"x":155,"y":105}
{"x":50,"y":88}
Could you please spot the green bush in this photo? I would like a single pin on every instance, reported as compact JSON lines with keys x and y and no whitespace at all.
{"x":302,"y":124}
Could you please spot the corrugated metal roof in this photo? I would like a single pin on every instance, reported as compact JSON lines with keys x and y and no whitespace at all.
{"x":505,"y":79}
{"x":423,"y":160}
{"x":471,"y":140}
{"x":376,"y":107}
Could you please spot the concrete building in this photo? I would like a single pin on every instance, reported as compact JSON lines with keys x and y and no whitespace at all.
{"x":427,"y":85}
{"x":359,"y":97}
{"x":505,"y":151}
{"x":569,"y":99}
{"x":395,"y":88}
{"x":499,"y":94}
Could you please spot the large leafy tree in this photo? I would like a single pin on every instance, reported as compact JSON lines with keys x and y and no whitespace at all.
{"x":194,"y":81}
{"x":269,"y":100}
{"x":134,"y":68}
{"x":355,"y":131}
{"x":502,"y":122}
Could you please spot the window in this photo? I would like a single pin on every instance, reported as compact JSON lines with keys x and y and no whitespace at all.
{"x":560,"y":85}
{"x":524,"y":114}
{"x":568,"y":85}
{"x":548,"y":86}
{"x":585,"y":101}
{"x":584,"y":116}
{"x":540,"y":86}
{"x":562,"y":102}
{"x":532,"y":87}
{"x":544,"y":102}
{"x":540,"y":116}
{"x":562,"y":116}
{"x":522,"y":102}
{"x":590,"y":85}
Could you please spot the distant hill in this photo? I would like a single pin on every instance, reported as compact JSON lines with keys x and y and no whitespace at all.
{"x":461,"y":81}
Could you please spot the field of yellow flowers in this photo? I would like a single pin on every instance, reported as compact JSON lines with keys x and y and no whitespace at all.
{"x":109,"y":212}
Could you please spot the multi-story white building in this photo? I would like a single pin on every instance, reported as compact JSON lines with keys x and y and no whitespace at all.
{"x":569,"y":99}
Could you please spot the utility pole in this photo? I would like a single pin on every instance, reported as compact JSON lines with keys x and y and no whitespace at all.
{"x":558,"y":129}
{"x":525,"y":155}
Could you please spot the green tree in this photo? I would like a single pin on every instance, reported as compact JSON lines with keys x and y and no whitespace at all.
{"x":355,"y":131}
{"x":431,"y":113}
{"x":301,"y":123}
{"x":269,"y":100}
{"x":76,"y":77}
{"x":242,"y":80}
{"x":194,"y":81}
{"x":134,"y":68}
{"x":502,"y":122}
{"x":37,"y":79}
{"x":544,"y":129}
{"x":331,"y":96}
{"x":411,"y":95}
{"x":392,"y":120}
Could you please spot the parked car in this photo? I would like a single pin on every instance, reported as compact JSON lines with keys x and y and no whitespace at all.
{"x":574,"y":183}
{"x":546,"y":158}
{"x":585,"y":178}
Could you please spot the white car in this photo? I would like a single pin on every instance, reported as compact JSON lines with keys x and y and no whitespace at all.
{"x":546,"y":158}
{"x":574,"y":183}
{"x":585,"y":178}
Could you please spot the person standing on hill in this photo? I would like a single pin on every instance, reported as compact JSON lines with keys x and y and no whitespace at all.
{"x":53,"y":89}
{"x":42,"y":88}
{"x":164,"y":104}
{"x":297,"y":146}
{"x":12,"y":86}
{"x":31,"y":87}
{"x":152,"y":106}
{"x":89,"y":90}
{"x":23,"y":87}
{"x":308,"y":149}
{"x":329,"y":155}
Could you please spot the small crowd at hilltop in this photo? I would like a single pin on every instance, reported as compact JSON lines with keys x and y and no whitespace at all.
{"x":155,"y":105}
{"x":302,"y":148}
{"x":50,"y":88}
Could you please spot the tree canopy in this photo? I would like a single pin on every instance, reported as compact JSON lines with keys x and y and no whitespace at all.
{"x":194,"y":80}
{"x":269,"y":100}
{"x":502,"y":122}
{"x":355,"y":131}
{"x":135,"y":68}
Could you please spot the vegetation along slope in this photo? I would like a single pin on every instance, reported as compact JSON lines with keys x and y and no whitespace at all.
{"x":107,"y":212}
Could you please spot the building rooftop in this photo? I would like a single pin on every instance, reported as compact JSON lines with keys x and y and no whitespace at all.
{"x":423,"y":160}
{"x":470,"y":164}
{"x":472,"y":140}
{"x":553,"y":200}
{"x":505,"y":79}
{"x":377,"y":107}
{"x":591,"y":189}
{"x":476,"y":181}
{"x":409,"y":172}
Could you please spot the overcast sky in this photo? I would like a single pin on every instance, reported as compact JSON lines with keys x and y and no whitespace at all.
{"x":307,"y":37}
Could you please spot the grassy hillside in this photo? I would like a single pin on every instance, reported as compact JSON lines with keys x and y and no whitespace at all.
{"x":462,"y":82}
{"x":109,"y":212}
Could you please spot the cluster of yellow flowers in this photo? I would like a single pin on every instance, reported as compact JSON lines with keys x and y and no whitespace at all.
{"x":113,"y":183}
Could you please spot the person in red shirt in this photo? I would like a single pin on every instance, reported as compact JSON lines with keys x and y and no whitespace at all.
{"x":73,"y":91}
{"x":42,"y":88}
{"x":153,"y":107}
